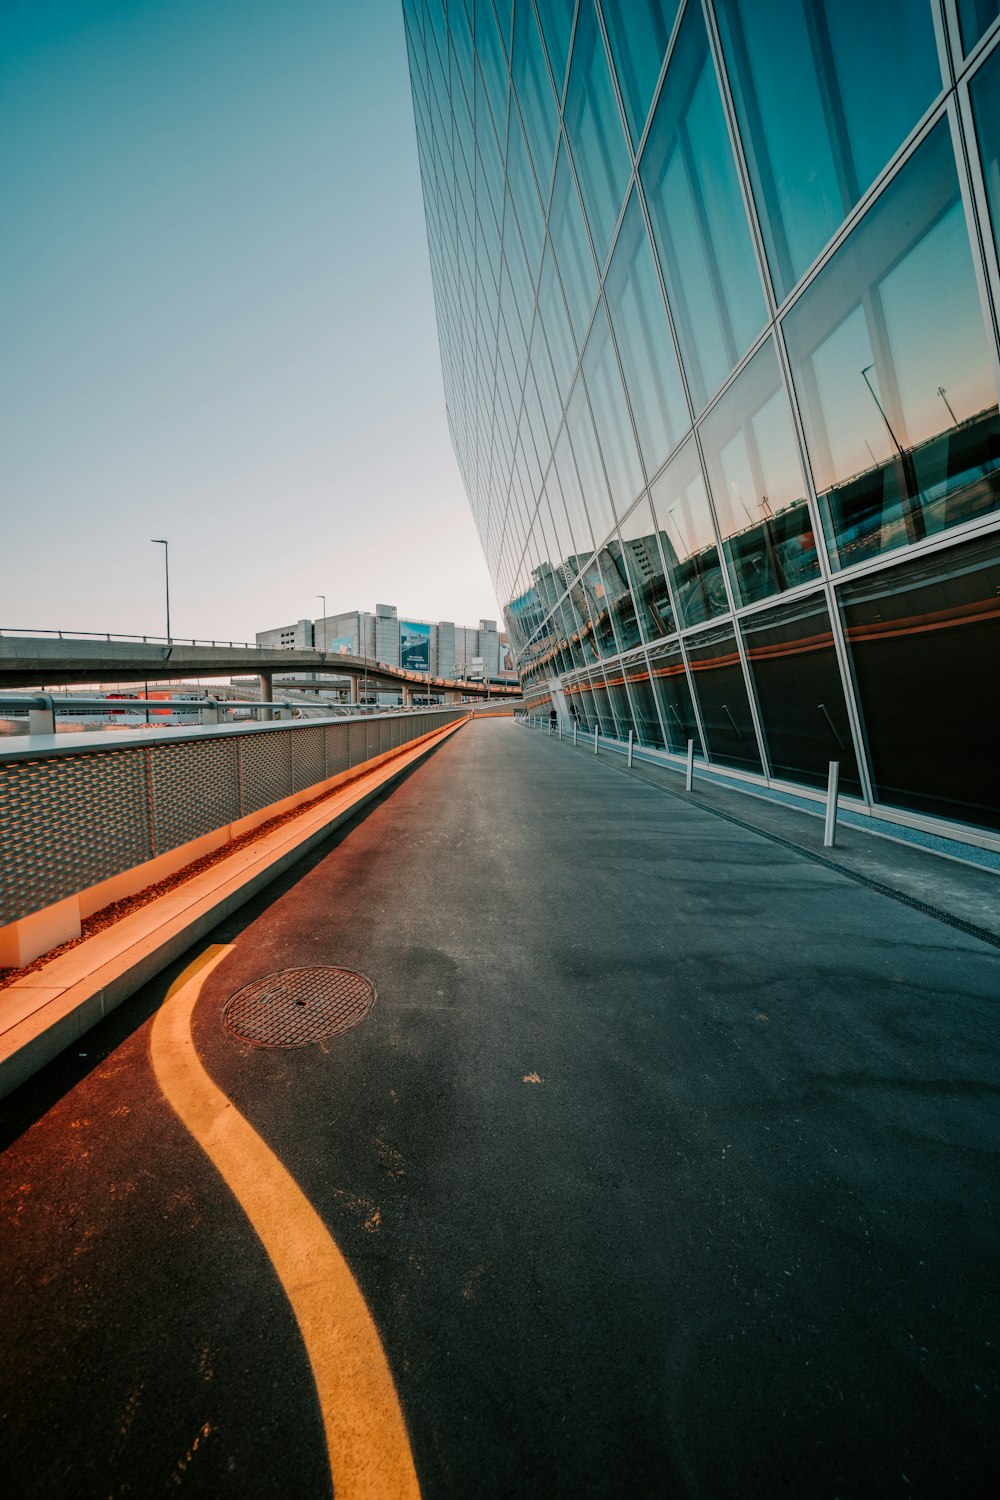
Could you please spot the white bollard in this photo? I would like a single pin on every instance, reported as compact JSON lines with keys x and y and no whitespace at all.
{"x":630,"y":749}
{"x":559,"y":727}
{"x":574,"y":731}
{"x":596,"y":733}
{"x":689,"y":774}
{"x":832,"y":785}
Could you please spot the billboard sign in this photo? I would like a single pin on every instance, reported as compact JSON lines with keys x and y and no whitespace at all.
{"x":414,"y":646}
{"x":341,"y":645}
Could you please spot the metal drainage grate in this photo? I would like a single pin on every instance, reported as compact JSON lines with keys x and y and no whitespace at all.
{"x":297,"y":1006}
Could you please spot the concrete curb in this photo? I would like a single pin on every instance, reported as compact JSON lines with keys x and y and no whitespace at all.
{"x":48,"y":1011}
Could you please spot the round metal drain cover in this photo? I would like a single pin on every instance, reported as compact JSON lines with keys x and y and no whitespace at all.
{"x":297,"y":1006}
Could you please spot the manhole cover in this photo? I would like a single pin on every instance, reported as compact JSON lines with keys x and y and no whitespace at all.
{"x":296,"y":1006}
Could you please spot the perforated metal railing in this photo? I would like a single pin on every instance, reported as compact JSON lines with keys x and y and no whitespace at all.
{"x":76,"y":815}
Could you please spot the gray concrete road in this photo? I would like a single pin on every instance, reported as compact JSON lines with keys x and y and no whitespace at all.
{"x":666,"y":1162}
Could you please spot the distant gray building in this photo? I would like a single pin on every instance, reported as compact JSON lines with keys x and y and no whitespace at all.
{"x":439,"y":647}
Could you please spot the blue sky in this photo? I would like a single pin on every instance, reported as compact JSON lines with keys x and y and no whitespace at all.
{"x":216,"y":321}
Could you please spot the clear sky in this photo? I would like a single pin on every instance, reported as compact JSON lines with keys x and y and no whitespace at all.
{"x":216,"y":322}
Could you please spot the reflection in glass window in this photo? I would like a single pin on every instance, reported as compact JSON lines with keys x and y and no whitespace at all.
{"x":618,"y":595}
{"x":588,"y":464}
{"x":673,"y":696}
{"x":698,"y":217}
{"x":975,"y":17}
{"x":556,"y":17}
{"x":800,"y":693}
{"x":687,"y":537}
{"x":756,"y":481}
{"x":638,"y":31}
{"x":644,"y":566}
{"x":639,"y":318}
{"x":813,"y":140}
{"x":717,"y":673}
{"x":534,"y":92}
{"x":596,"y":135}
{"x":611,"y":415}
{"x":590,"y":603}
{"x":890,"y":362}
{"x":572,"y":246}
{"x":984,"y":91}
{"x":648,"y":729}
{"x":924,"y":639}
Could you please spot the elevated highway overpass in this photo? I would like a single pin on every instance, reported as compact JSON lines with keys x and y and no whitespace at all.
{"x":62,"y":660}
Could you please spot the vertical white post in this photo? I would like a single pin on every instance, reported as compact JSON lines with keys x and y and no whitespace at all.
{"x":575,"y":726}
{"x":630,"y":749}
{"x":596,"y":733}
{"x":559,"y":727}
{"x":689,"y":774}
{"x":830,"y":826}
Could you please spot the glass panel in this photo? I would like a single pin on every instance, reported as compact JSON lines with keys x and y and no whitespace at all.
{"x":620,"y":702}
{"x":698,"y":218}
{"x":974,"y":18}
{"x":522,"y":186}
{"x":647,"y":721}
{"x":557,"y":328}
{"x":638,"y":31}
{"x":757,"y":485}
{"x":925,"y":643}
{"x":673,"y":696}
{"x":594,"y":127}
{"x":493,"y":65}
{"x":984,"y":91}
{"x":534,"y":92}
{"x":813,"y":139}
{"x":638,"y":315}
{"x":556,"y":17}
{"x":602,"y":705}
{"x":890,"y":360}
{"x":545,"y":381}
{"x":589,"y":466}
{"x":611,"y":414}
{"x":618,"y":596}
{"x":800,"y":693}
{"x":644,"y":565}
{"x":722,"y":697}
{"x":576,"y":510}
{"x":572,"y":247}
{"x":590,"y":600}
{"x":687,"y":537}
{"x":582,"y":704}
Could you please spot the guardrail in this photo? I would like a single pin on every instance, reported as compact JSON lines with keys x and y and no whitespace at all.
{"x":73,"y":816}
{"x":42,"y":709}
{"x":113,"y":635}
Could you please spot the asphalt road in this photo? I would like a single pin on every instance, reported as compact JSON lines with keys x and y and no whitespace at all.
{"x":666,"y":1162}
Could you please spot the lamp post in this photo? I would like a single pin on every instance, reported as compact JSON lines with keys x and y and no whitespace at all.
{"x":161,"y":541}
{"x":322,"y":598}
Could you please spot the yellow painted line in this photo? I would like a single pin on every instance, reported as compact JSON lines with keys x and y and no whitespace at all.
{"x":366,"y":1437}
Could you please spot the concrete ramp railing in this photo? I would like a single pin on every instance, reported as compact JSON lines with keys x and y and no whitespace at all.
{"x":85,"y":820}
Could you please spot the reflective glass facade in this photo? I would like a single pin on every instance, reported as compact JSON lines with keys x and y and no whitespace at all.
{"x":716,"y":295}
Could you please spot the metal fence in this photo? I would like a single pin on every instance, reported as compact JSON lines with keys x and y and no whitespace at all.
{"x":72,"y":817}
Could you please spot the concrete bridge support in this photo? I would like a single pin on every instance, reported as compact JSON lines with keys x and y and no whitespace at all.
{"x":266,"y":692}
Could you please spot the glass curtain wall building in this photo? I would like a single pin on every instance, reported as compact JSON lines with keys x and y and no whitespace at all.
{"x":716,"y":292}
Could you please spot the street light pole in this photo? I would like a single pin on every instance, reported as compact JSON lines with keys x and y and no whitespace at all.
{"x":162,"y":542}
{"x":322,"y":597}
